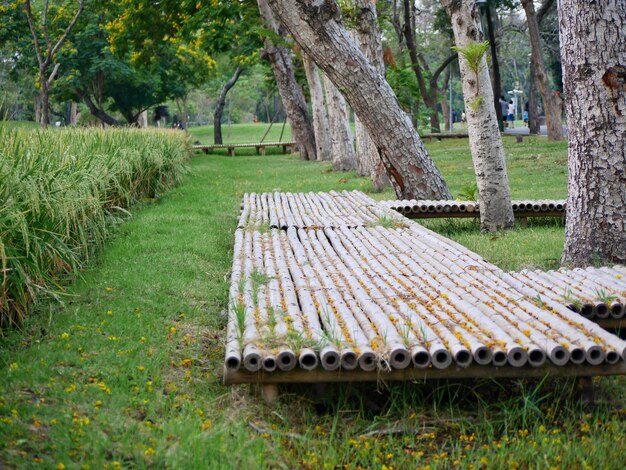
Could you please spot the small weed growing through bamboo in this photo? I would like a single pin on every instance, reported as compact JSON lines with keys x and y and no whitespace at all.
{"x":387,"y":222}
{"x":604,"y":296}
{"x":574,"y":302}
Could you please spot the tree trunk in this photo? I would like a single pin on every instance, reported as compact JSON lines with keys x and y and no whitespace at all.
{"x":533,"y":114}
{"x":37,"y":102}
{"x":44,"y":96}
{"x":95,"y":110}
{"x":495,"y":68}
{"x":290,"y":92}
{"x":142,"y":122}
{"x":320,"y":115}
{"x":368,"y":37}
{"x":594,"y":76}
{"x":316,"y":27}
{"x":445,"y":105}
{"x":551,"y":102}
{"x":342,"y":144}
{"x":73,"y":113}
{"x":484,"y":136}
{"x":409,"y":34}
{"x":219,"y":107}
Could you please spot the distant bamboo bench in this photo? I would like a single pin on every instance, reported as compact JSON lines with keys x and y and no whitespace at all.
{"x":444,"y":135}
{"x":260,"y":147}
{"x":424,"y":209}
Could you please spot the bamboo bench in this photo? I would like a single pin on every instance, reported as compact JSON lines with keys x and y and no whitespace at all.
{"x":444,"y":135}
{"x":422,"y":209}
{"x":260,"y":147}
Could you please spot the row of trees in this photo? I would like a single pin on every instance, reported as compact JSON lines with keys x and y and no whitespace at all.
{"x":154,"y":56}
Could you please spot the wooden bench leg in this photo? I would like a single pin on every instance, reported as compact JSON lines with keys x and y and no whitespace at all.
{"x":206,"y":151}
{"x":258,"y":150}
{"x":231,"y":151}
{"x":584,"y":388}
{"x":523,"y":221}
{"x":270,"y":393}
{"x":519,"y":139}
{"x":262,"y":149}
{"x":284,"y":148}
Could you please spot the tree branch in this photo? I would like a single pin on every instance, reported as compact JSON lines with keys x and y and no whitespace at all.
{"x":44,"y":24}
{"x":543,"y":10}
{"x":68,"y":29}
{"x":441,"y":68}
{"x":29,"y":17}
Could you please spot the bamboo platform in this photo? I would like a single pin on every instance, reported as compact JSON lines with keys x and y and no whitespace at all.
{"x":424,"y":209}
{"x":334,"y":286}
{"x":260,"y":147}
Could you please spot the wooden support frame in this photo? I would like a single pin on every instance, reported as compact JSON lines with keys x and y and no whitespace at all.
{"x":474,"y":371}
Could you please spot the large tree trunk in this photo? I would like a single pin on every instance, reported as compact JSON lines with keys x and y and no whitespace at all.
{"x":342,"y":144}
{"x":368,"y":36}
{"x":219,"y":107}
{"x":484,"y":136}
{"x":320,"y":115}
{"x":316,"y":27}
{"x":551,"y":102}
{"x":594,"y":74}
{"x":290,"y":92}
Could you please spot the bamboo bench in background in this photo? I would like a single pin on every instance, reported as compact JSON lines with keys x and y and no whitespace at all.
{"x":423,"y":209}
{"x":260,"y":147}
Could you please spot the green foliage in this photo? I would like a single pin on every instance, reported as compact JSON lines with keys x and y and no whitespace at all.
{"x":473,"y":54}
{"x":476,"y":102}
{"x":468,"y":192}
{"x":62,"y":192}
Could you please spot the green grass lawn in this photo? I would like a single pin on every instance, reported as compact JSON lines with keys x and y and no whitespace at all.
{"x":244,"y":133}
{"x":127,"y":373}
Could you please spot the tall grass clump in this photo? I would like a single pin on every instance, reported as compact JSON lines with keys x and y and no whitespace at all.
{"x":61,"y":192}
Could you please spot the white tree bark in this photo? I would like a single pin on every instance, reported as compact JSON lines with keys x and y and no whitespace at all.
{"x":593,"y":54}
{"x":551,"y":102}
{"x":368,"y":37}
{"x":342,"y":143}
{"x":318,"y":105}
{"x":315,"y":25}
{"x":482,"y":124}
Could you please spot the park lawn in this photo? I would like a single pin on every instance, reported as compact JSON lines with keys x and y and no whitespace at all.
{"x":128,"y":372}
{"x":250,"y":133}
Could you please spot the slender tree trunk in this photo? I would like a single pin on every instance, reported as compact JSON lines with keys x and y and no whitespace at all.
{"x":316,"y":27}
{"x":484,"y":136}
{"x":445,"y":105}
{"x":37,"y":102}
{"x":495,"y":68}
{"x":219,"y":106}
{"x":409,"y":35}
{"x":73,"y":113}
{"x":290,"y":92}
{"x":44,"y":96}
{"x":95,"y":110}
{"x":594,"y":75}
{"x":342,"y":143}
{"x":320,"y":115}
{"x":368,"y":37}
{"x":551,"y":102}
{"x":533,"y":114}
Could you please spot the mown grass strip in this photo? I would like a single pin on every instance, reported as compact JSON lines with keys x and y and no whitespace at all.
{"x":62,"y":192}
